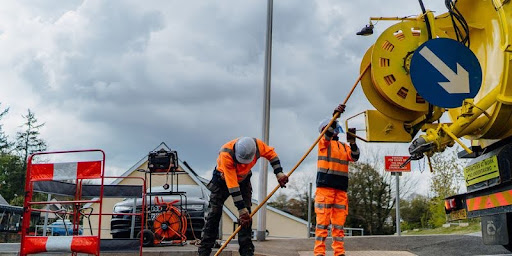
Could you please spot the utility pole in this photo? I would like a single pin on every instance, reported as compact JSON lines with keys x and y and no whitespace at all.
{"x":310,"y":192}
{"x":397,"y":175}
{"x":262,"y":214}
{"x":397,"y":165}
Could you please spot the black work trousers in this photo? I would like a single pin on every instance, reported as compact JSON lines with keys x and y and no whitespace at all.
{"x":219,"y":194}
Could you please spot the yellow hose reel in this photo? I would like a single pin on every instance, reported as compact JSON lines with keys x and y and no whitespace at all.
{"x":388,"y":86}
{"x":389,"y":89}
{"x":390,"y":60}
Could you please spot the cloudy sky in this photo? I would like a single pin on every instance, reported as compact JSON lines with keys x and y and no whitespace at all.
{"x":125,"y":76}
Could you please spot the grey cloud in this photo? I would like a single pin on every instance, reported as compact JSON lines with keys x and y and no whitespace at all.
{"x":49,"y":10}
{"x":114,"y":28}
{"x":191,"y":73}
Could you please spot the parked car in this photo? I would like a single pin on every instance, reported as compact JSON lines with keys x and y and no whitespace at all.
{"x":195,"y":204}
{"x":63,"y":227}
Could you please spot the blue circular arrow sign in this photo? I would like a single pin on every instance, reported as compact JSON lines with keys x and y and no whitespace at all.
{"x":445,"y":72}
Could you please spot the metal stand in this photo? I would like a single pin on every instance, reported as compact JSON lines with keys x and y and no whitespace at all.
{"x":167,"y":219}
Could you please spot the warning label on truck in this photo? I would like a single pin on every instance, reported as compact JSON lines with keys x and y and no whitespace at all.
{"x":481,"y":171}
{"x":458,"y":215}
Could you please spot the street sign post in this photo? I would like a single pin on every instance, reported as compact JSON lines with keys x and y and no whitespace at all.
{"x":393,"y":164}
{"x":445,"y":72}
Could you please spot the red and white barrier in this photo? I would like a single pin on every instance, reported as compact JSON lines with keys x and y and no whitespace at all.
{"x":66,"y":171}
{"x":81,"y":244}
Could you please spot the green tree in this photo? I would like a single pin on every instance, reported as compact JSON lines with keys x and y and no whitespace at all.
{"x":415,"y":213}
{"x":298,"y":201}
{"x":370,"y":199}
{"x":5,"y":145}
{"x":447,"y":177}
{"x":12,"y":178}
{"x":13,"y":166}
{"x":28,"y":141}
{"x":437,"y":212}
{"x":280,"y":202}
{"x":447,"y":174}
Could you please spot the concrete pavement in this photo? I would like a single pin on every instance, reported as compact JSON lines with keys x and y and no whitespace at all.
{"x":365,"y":253}
{"x":356,"y":246}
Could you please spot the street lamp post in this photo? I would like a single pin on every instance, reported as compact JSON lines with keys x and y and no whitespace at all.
{"x":262,"y":214}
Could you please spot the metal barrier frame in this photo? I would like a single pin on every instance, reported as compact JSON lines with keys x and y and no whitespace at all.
{"x":76,"y":212}
{"x":142,"y":213}
{"x":29,"y":192}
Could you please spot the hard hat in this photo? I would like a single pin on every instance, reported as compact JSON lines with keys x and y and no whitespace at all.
{"x":245,"y":149}
{"x":325,"y":122}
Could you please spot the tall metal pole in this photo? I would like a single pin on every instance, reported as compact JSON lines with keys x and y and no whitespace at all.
{"x":262,"y":214}
{"x":310,"y":191}
{"x":397,"y":203}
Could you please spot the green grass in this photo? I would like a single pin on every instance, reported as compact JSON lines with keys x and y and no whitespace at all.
{"x":472,"y":228}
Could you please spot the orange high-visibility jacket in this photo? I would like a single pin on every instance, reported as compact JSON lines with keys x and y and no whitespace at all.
{"x":333,"y":159}
{"x":234,"y":172}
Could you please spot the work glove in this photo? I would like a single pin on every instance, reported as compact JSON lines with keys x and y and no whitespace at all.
{"x":282,"y":179}
{"x":245,"y":219}
{"x":340,"y":108}
{"x":351,"y":135}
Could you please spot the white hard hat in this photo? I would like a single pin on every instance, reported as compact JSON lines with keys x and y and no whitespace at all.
{"x":245,"y":150}
{"x":325,"y":122}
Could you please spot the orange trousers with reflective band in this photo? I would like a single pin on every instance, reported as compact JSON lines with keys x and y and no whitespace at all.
{"x":331,"y":207}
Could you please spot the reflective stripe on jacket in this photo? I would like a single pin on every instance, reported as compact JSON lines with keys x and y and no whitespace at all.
{"x":332,"y":164}
{"x":234,"y":172}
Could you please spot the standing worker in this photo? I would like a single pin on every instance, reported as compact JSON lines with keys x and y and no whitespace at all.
{"x":331,"y":203}
{"x":232,"y":176}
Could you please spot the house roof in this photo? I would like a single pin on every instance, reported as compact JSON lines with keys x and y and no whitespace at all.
{"x":139,"y":163}
{"x":3,"y":201}
{"x":193,"y":175}
{"x":201,"y":182}
{"x":295,"y":218}
{"x":205,"y":181}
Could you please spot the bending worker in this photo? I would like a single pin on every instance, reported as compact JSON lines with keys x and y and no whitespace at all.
{"x":331,"y":203}
{"x":232,"y":176}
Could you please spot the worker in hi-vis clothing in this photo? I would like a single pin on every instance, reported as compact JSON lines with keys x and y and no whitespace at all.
{"x":331,"y":202}
{"x":232,"y":176}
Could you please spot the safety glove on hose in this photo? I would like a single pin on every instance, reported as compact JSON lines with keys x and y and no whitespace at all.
{"x":245,"y":219}
{"x":339,"y":109}
{"x":351,"y":135}
{"x":282,"y":179}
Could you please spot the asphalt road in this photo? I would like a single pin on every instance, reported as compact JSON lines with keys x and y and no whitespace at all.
{"x":441,"y":245}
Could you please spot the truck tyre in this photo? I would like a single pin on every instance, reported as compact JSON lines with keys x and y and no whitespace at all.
{"x":509,"y":230}
{"x":148,"y":237}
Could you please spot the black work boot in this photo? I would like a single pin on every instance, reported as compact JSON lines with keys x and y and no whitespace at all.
{"x":248,"y":252}
{"x":204,"y":251}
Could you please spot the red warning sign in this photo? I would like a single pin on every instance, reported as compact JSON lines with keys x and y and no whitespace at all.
{"x":392,"y":164}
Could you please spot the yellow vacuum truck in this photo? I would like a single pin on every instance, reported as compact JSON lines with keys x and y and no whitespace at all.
{"x":456,"y":64}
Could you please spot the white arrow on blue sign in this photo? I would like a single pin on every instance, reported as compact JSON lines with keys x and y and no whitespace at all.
{"x":445,"y":72}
